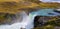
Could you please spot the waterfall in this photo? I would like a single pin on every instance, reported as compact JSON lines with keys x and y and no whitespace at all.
{"x":26,"y":22}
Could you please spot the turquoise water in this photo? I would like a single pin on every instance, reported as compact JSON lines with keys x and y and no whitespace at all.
{"x":28,"y":20}
{"x":42,"y":12}
{"x":22,"y":22}
{"x":45,"y":12}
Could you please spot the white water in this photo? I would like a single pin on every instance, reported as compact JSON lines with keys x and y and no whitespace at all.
{"x":26,"y":22}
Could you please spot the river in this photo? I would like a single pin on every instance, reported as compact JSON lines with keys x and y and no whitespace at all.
{"x":27,"y":20}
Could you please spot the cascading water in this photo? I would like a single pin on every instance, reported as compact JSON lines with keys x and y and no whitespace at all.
{"x":23,"y":21}
{"x":26,"y":21}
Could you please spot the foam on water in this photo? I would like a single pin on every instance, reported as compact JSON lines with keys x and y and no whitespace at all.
{"x":28,"y":20}
{"x":25,"y":23}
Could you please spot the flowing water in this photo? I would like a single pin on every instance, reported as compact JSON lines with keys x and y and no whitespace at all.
{"x":23,"y":21}
{"x":26,"y":21}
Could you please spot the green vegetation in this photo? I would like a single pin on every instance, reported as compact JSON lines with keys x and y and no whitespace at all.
{"x":51,"y":24}
{"x":15,"y":6}
{"x":46,"y":27}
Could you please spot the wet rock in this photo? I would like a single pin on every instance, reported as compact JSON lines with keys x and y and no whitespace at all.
{"x":40,"y":21}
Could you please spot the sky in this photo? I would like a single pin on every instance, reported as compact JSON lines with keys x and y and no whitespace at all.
{"x":50,"y":1}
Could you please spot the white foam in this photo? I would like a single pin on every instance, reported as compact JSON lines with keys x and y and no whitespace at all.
{"x":26,"y":23}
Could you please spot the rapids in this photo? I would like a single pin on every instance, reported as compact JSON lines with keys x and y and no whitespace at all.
{"x":28,"y":20}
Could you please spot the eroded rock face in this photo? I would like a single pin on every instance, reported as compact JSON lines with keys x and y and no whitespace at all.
{"x":40,"y":21}
{"x":5,"y":18}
